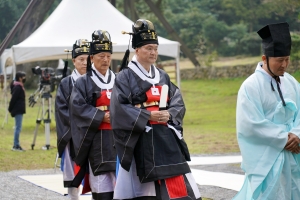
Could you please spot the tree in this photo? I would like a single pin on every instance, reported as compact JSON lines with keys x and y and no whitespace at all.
{"x":36,"y":19}
{"x":10,"y":12}
{"x":214,"y":31}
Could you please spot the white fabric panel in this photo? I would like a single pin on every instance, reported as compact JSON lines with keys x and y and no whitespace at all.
{"x":102,"y":183}
{"x":128,"y":185}
{"x":68,"y":167}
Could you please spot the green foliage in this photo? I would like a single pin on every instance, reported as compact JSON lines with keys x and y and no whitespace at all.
{"x":228,"y":27}
{"x":214,"y":31}
{"x":251,"y":44}
{"x":295,"y":52}
{"x":10,"y":12}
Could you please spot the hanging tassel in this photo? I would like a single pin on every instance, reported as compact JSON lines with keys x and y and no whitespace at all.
{"x":125,"y":60}
{"x":89,"y":65}
{"x":64,"y":72}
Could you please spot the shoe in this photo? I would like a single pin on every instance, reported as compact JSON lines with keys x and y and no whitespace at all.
{"x":17,"y":148}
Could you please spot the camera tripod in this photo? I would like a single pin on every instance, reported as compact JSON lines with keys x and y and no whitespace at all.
{"x":45,"y":115}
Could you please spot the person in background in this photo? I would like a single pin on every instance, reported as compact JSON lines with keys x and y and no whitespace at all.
{"x":17,"y":106}
{"x":268,"y":122}
{"x":147,"y":124}
{"x":90,"y":110}
{"x":65,"y":147}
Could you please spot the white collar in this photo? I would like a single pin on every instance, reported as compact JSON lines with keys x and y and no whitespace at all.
{"x":142,"y":73}
{"x":260,"y":68}
{"x":97,"y":81}
{"x":272,"y":80}
{"x":104,"y":78}
{"x":141,"y":66}
{"x":75,"y":74}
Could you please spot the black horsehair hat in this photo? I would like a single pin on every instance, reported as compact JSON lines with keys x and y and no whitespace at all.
{"x":81,"y":46}
{"x":101,"y":42}
{"x":143,"y":34}
{"x":276,"y":40}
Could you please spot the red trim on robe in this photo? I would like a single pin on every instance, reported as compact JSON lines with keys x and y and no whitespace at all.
{"x":86,"y":182}
{"x":86,"y":186}
{"x":176,"y":187}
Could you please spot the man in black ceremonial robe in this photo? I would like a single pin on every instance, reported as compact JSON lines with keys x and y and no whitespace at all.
{"x":90,"y":101}
{"x":65,"y":148}
{"x":148,"y":140}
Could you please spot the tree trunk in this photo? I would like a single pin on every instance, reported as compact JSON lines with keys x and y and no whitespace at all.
{"x":35,"y":20}
{"x":172,"y":32}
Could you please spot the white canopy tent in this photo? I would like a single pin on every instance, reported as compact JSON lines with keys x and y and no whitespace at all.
{"x":8,"y":71}
{"x":74,"y":19}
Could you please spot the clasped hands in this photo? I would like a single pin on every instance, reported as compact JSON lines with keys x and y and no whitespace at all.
{"x":160,"y":116}
{"x":106,"y":118}
{"x":292,"y":144}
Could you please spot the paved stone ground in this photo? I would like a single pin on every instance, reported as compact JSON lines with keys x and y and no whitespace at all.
{"x":13,"y":187}
{"x":217,"y":193}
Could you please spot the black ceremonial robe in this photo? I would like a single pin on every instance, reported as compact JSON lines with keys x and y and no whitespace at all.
{"x":62,"y":116}
{"x":157,"y":153}
{"x":91,"y":143}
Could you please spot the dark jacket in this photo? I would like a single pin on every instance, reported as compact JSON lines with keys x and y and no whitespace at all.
{"x":17,"y":102}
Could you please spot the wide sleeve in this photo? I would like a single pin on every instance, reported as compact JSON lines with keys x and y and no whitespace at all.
{"x":296,"y":125}
{"x":84,"y":114}
{"x":128,"y":122}
{"x":124,"y":115}
{"x":62,"y":116}
{"x":176,"y":106}
{"x":260,"y":140}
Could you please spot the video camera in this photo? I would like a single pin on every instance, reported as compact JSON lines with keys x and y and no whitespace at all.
{"x":48,"y":80}
{"x":48,"y":77}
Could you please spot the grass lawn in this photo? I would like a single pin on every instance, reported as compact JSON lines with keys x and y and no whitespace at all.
{"x":31,"y":159}
{"x":209,"y":123}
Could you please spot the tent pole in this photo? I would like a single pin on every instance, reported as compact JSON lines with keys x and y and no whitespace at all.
{"x":178,"y":67}
{"x":19,"y":23}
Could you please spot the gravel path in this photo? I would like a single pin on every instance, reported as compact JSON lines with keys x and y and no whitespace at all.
{"x":13,"y":187}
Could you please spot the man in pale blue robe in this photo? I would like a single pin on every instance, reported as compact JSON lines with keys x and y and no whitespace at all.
{"x":268,"y":123}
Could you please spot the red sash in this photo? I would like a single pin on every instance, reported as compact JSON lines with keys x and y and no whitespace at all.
{"x":150,"y":98}
{"x":104,"y":101}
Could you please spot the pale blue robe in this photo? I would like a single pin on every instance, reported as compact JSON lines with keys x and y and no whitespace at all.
{"x":263,"y":124}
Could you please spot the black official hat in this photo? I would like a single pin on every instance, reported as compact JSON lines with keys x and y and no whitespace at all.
{"x":81,"y":46}
{"x":143,"y":33}
{"x":276,"y":40}
{"x":101,"y":42}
